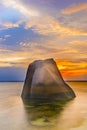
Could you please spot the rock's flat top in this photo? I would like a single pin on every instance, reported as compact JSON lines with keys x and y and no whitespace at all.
{"x":43,"y":80}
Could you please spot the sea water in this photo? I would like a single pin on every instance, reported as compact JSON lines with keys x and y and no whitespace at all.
{"x":16,"y":115}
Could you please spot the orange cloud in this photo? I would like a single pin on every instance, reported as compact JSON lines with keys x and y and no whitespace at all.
{"x":69,"y":74}
{"x":74,"y":8}
{"x":71,"y":69}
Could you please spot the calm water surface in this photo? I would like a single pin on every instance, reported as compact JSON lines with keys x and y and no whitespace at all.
{"x":15,"y":115}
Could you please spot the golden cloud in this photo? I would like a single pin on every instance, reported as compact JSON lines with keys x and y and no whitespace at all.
{"x":80,"y":46}
{"x":79,"y":42}
{"x":74,"y":8}
{"x":29,"y":51}
{"x":20,"y":58}
{"x":52,"y":26}
{"x":68,"y":67}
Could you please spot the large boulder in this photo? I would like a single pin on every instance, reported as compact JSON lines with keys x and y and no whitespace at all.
{"x":43,"y":80}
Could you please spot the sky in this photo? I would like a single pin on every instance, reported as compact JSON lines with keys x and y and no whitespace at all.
{"x":41,"y":29}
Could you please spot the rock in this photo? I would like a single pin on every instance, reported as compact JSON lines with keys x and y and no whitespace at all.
{"x":43,"y":81}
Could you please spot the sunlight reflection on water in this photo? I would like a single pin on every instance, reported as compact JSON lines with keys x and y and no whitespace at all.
{"x":16,"y":115}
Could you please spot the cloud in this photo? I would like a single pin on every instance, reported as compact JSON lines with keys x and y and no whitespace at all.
{"x":72,"y":69}
{"x":7,"y":36}
{"x":20,"y":58}
{"x":1,"y":39}
{"x":39,"y":49}
{"x":43,"y":34}
{"x":10,"y":58}
{"x":80,"y":43}
{"x":29,"y":51}
{"x":80,"y":46}
{"x":74,"y":8}
{"x":77,"y":21}
{"x":49,"y":25}
{"x":67,"y":58}
{"x":4,"y":38}
{"x":10,"y":25}
{"x":22,"y":8}
{"x":75,"y":50}
{"x":5,"y":64}
{"x":41,"y":22}
{"x":7,"y":25}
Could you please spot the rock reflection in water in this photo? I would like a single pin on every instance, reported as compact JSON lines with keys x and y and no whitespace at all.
{"x":43,"y":112}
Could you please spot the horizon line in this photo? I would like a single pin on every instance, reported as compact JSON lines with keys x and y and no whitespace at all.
{"x":64,"y":80}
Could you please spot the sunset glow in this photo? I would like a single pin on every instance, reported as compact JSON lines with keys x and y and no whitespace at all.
{"x":35,"y":29}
